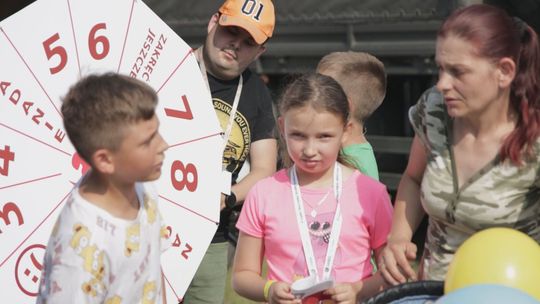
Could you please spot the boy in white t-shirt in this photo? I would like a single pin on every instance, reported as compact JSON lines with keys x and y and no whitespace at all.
{"x":107,"y":241}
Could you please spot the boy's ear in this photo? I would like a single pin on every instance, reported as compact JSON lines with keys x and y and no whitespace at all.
{"x":347,"y":131}
{"x":351,"y":106}
{"x":102,"y":160}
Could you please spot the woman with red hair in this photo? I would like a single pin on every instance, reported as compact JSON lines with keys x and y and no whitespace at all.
{"x":475,"y":159}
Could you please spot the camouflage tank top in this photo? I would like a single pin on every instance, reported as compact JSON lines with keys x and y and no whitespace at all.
{"x":500,"y":194}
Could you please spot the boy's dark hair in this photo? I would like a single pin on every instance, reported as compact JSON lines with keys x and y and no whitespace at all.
{"x":362,"y":77}
{"x":98,"y":108}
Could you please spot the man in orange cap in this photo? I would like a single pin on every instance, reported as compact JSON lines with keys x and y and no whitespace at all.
{"x":236,"y":37}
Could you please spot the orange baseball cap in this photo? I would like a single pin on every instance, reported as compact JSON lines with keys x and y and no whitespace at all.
{"x":255,"y":16}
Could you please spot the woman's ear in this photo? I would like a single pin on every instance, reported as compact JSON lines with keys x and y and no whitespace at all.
{"x":506,"y":72}
{"x":102,"y":160}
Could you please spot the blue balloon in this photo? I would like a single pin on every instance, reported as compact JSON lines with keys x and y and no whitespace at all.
{"x":487,"y":294}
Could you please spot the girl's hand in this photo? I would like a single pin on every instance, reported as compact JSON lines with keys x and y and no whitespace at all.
{"x":342,"y":293}
{"x":280,"y":293}
{"x":394,"y":260}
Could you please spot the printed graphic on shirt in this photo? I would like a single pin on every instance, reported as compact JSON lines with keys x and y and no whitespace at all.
{"x":93,"y":287}
{"x":151,"y":209}
{"x":149,"y":293}
{"x":237,"y":147}
{"x":133,"y":238}
{"x":93,"y":259}
{"x":319,"y":228}
{"x":114,"y":300}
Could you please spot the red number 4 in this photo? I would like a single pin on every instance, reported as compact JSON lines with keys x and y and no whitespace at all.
{"x":8,"y":156}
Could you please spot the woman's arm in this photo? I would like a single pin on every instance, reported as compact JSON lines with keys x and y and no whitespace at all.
{"x":408,"y":213}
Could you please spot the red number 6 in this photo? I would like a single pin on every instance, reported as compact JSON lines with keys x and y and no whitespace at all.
{"x":186,"y":170}
{"x":93,"y":42}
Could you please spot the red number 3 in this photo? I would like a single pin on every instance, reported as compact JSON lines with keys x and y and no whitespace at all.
{"x":51,"y":51}
{"x":186,"y":170}
{"x":11,"y":208}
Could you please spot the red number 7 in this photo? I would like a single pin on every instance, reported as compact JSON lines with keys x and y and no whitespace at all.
{"x":181,"y":114}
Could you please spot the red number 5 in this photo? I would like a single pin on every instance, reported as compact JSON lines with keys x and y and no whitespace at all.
{"x":57,"y":50}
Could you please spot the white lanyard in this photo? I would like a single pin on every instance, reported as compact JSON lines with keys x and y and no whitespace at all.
{"x":232,"y":114}
{"x":302,"y":225}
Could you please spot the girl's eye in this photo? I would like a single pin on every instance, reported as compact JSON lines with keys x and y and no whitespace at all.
{"x":296,"y":135}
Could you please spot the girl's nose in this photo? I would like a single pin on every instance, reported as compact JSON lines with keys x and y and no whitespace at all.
{"x":309,"y":149}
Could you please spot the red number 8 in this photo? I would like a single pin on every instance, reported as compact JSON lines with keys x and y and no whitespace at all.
{"x":186,"y":170}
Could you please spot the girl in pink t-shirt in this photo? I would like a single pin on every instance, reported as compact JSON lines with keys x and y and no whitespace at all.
{"x":319,"y":219}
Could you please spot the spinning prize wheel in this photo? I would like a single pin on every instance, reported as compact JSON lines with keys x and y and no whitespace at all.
{"x":46,"y":48}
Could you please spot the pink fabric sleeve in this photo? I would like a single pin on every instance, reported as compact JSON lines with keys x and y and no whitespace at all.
{"x":251,"y":217}
{"x":382,"y":221}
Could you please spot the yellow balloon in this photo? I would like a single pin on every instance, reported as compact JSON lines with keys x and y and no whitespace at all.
{"x":496,"y":256}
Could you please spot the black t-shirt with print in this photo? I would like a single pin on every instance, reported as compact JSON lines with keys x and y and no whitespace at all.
{"x":254,"y":120}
